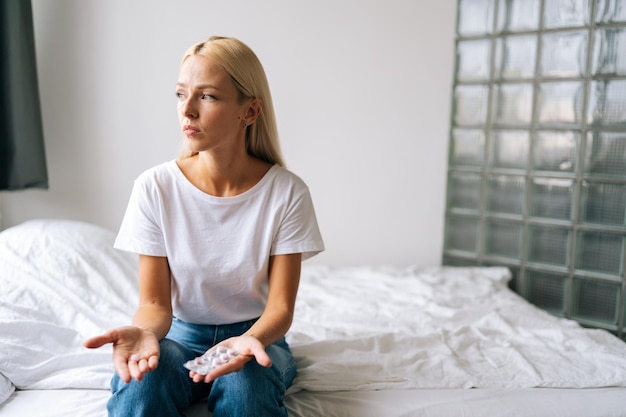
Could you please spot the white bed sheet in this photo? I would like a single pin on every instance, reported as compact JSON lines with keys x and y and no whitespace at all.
{"x":390,"y":328}
{"x":530,"y":402}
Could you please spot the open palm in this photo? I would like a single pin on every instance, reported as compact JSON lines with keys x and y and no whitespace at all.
{"x":135,"y":351}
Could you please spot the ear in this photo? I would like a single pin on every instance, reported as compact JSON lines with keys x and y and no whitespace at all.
{"x":253,"y":110}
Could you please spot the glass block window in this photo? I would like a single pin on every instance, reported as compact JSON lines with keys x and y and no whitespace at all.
{"x":537,"y":161}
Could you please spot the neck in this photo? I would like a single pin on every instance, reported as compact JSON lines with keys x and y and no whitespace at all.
{"x":224,"y":177}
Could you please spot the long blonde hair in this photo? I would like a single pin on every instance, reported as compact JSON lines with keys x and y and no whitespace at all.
{"x":248,"y":76}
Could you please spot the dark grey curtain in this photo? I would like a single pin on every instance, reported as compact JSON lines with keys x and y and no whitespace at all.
{"x":22,"y":154}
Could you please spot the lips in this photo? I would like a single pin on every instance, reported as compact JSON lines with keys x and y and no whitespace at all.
{"x":189,"y":130}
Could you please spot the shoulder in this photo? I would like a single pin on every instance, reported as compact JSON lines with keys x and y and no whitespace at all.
{"x":163,"y":172}
{"x":284,"y":178}
{"x":287,"y":188}
{"x":156,"y":182}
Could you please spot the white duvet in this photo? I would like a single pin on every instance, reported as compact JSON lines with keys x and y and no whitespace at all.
{"x":367,"y":328}
{"x":60,"y":282}
{"x":354,"y":329}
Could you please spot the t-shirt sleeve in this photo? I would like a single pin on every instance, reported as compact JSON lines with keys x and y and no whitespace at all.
{"x":298,"y":231}
{"x":140,"y":231}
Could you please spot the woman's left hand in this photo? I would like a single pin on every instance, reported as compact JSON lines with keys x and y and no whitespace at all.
{"x":248,"y":347}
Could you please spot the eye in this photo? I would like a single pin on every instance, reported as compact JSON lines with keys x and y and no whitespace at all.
{"x":179,"y":95}
{"x":207,"y":96}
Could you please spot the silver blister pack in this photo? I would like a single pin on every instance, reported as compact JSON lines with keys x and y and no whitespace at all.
{"x":210,"y":360}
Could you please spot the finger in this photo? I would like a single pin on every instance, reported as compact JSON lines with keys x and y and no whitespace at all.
{"x":121,"y":367}
{"x":133,"y":368}
{"x":143,"y":366}
{"x":219,"y":371}
{"x":98,"y":341}
{"x":153,"y":362}
{"x":195,"y":377}
{"x":234,"y":365}
{"x":262,"y":358}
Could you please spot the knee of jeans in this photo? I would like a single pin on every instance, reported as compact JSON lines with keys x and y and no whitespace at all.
{"x":254,"y":380}
{"x":283,"y":361}
{"x":253,"y":387}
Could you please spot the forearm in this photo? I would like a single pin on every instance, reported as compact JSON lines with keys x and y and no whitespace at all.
{"x":271,"y":326}
{"x":153,"y":318}
{"x":155,"y":304}
{"x":276,"y":319}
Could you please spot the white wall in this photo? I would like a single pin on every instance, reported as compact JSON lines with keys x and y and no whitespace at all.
{"x":361,"y":90}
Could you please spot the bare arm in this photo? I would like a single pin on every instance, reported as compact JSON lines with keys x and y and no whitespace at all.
{"x":154,"y":313}
{"x":284,"y":279}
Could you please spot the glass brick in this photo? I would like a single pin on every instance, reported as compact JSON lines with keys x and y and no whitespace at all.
{"x":475,"y":17}
{"x":547,"y":244}
{"x":564,"y":13}
{"x":461,"y":233}
{"x":607,"y":103}
{"x":559,"y":103}
{"x":515,"y":57}
{"x":546,"y":290}
{"x":555,"y":151}
{"x":449,"y":260}
{"x":551,"y":198}
{"x":603,"y":203}
{"x":563,"y":54}
{"x":470,"y":105}
{"x":513,"y":104}
{"x":473,"y":60}
{"x":609,"y":52}
{"x":595,"y":300}
{"x":610,"y":11}
{"x":464,"y":190}
{"x":518,"y":15}
{"x":605,"y":153}
{"x":505,"y":194}
{"x":509,"y":149}
{"x":502,"y":238}
{"x":467,"y":148}
{"x":599,"y":252}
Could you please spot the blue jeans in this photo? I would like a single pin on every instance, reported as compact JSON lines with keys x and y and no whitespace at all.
{"x":168,"y":391}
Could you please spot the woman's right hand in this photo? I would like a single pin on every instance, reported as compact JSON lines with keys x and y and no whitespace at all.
{"x":135,"y":351}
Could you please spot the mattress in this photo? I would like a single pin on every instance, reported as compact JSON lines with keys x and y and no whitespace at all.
{"x":529,"y":402}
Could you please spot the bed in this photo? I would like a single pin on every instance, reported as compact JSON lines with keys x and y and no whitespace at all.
{"x":369,"y":341}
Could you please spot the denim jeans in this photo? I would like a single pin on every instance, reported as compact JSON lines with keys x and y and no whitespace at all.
{"x":168,"y":391}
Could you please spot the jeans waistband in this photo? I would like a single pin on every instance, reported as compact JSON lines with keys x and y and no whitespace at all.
{"x":201,"y":337}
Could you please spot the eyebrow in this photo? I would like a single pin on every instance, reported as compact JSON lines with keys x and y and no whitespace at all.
{"x":199,"y":87}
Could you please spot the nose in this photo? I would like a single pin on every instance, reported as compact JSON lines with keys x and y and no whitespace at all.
{"x":188,"y":109}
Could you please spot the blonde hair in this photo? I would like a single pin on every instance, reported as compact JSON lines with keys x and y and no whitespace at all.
{"x":248,"y":76}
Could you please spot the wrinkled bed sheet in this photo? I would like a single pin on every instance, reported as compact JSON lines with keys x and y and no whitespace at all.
{"x":384,"y":328}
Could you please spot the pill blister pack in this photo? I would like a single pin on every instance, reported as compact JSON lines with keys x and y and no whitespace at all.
{"x":211,"y":360}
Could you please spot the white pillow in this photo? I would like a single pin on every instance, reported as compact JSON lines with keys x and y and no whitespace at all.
{"x":6,"y":388}
{"x":61,"y":282}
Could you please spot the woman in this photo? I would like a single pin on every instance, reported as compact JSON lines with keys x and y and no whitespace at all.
{"x":221,"y":234}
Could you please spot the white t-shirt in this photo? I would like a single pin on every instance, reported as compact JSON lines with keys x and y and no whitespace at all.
{"x":218,"y":248}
